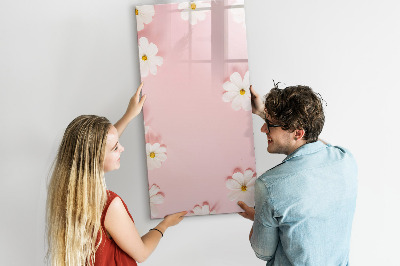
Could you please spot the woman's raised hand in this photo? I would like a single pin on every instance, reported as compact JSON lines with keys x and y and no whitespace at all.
{"x":134,"y":107}
{"x":135,"y":104}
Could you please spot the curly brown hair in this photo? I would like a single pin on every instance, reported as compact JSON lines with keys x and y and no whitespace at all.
{"x":297,"y":107}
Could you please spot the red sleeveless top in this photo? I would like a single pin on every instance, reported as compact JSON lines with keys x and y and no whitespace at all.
{"x":109,"y":253}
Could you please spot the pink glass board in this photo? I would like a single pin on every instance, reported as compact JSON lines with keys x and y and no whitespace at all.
{"x":198,"y":124}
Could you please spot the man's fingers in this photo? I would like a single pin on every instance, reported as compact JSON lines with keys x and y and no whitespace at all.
{"x":243,"y":214}
{"x":252,"y":92}
{"x":243,"y":205}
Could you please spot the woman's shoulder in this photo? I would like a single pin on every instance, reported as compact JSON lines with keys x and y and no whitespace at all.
{"x":111,"y":194}
{"x":116,"y":203}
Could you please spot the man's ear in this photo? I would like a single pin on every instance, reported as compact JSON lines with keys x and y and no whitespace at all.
{"x":299,"y":134}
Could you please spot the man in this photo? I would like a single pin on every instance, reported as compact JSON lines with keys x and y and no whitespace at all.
{"x":304,"y":206}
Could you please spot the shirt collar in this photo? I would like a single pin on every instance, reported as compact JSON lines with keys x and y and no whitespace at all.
{"x":306,"y":149}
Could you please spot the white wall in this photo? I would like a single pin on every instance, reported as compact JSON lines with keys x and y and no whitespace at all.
{"x":60,"y":59}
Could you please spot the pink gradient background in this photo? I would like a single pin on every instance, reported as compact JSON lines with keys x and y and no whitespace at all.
{"x":206,"y":139}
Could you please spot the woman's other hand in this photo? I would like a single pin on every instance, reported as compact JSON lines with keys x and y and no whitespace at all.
{"x":174,"y":219}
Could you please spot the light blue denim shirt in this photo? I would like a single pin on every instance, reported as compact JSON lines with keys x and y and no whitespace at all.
{"x":305,"y":207}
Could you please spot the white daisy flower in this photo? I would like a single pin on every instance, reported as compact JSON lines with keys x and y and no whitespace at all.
{"x":155,"y":198}
{"x":148,"y":57}
{"x":242,"y":186}
{"x":156,"y":155}
{"x":202,"y":210}
{"x":144,"y":15}
{"x":191,"y":9}
{"x":238,"y":92}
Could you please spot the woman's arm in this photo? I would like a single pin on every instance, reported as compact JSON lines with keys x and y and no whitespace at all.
{"x":134,"y":108}
{"x":122,"y":229}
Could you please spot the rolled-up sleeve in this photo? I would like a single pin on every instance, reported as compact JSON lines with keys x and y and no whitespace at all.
{"x":264,"y":239}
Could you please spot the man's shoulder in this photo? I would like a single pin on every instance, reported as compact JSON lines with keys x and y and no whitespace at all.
{"x":275,"y":174}
{"x":332,"y":156}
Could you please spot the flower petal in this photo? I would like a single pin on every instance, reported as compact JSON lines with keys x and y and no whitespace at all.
{"x":250,"y":187}
{"x":156,"y":163}
{"x":161,"y":157}
{"x":248,"y":198}
{"x":229,"y":86}
{"x":238,"y":176}
{"x":193,"y":20}
{"x":144,"y":69}
{"x":143,"y":43}
{"x":233,"y":184}
{"x":237,"y":103}
{"x":139,"y":25}
{"x":150,"y":163}
{"x":197,"y":209}
{"x":147,"y":9}
{"x":237,"y":80}
{"x":248,"y":175}
{"x":154,"y":190}
{"x":161,"y":150}
{"x":157,"y":60}
{"x":157,"y":199}
{"x":183,"y":5}
{"x":152,"y":50}
{"x":185,"y":15}
{"x":229,"y":96}
{"x":206,"y":209}
{"x":234,"y":195}
{"x":153,"y":69}
{"x":153,"y":210}
{"x":155,"y":147}
{"x":251,"y":182}
{"x":200,"y":15}
{"x":148,"y":148}
{"x":246,"y":103}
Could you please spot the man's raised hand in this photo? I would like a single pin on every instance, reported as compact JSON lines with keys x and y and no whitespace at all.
{"x":257,"y":104}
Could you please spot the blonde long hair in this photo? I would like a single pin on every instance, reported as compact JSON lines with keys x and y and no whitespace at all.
{"x":77,"y":193}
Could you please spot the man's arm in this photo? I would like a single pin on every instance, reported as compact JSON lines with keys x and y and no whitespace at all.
{"x":264,"y":237}
{"x":248,"y":213}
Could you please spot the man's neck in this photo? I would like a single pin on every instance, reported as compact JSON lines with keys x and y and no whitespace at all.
{"x":297,"y":145}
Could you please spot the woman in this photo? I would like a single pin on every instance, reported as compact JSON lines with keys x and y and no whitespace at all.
{"x":87,"y":224}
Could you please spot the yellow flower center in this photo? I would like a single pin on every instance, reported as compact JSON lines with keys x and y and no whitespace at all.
{"x":144,"y":57}
{"x":242,"y":92}
{"x":152,"y":155}
{"x":244,"y":188}
{"x":193,"y":6}
{"x":136,"y":12}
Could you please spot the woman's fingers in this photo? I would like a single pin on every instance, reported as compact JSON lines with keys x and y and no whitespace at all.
{"x":139,"y":89}
{"x":141,"y":102}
